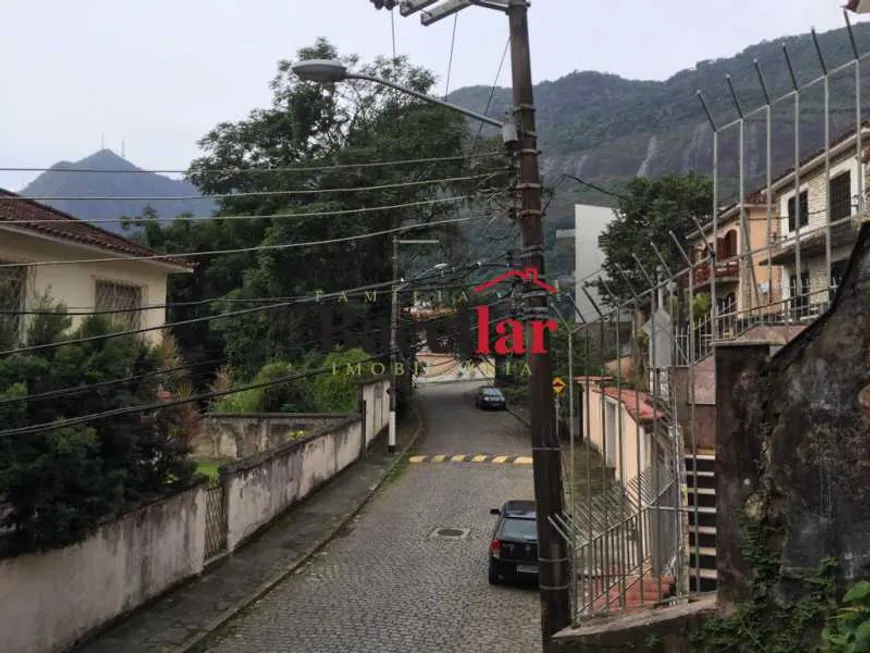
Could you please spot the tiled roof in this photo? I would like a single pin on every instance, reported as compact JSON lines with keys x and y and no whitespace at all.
{"x":66,"y":227}
{"x":632,"y":400}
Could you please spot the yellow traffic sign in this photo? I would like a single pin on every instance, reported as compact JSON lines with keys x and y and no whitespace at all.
{"x":559,"y":385}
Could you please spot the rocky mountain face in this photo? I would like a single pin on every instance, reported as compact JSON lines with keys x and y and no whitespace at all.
{"x":107,"y":175}
{"x":604,"y":128}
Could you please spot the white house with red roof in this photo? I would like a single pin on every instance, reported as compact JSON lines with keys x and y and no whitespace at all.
{"x":44,"y":251}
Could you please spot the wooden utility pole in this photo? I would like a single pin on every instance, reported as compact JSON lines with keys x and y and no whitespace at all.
{"x":546,"y":454}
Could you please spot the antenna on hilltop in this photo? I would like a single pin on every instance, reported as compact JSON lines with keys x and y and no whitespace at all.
{"x":102,"y":141}
{"x":122,"y":148}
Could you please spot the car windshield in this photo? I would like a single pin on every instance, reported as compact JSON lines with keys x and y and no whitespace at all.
{"x":492,"y":392}
{"x":520,"y":529}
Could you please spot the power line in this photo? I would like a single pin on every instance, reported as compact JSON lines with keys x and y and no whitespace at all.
{"x":259,"y":193}
{"x":117,"y":412}
{"x":256,"y":248}
{"x":256,"y":170}
{"x":75,"y":390}
{"x":316,"y":214}
{"x":470,"y":267}
{"x":450,"y":59}
{"x":196,"y":320}
{"x":492,"y":91}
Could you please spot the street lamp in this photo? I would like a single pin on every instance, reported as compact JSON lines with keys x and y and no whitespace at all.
{"x":327,"y":71}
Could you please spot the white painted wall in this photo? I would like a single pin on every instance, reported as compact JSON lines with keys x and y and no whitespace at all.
{"x":260,"y":489}
{"x":48,"y":601}
{"x":75,"y":284}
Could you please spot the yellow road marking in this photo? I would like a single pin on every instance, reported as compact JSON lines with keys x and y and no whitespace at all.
{"x":523,"y":460}
{"x":438,"y":459}
{"x":458,"y":459}
{"x":416,"y":459}
{"x":478,"y":459}
{"x":499,"y":459}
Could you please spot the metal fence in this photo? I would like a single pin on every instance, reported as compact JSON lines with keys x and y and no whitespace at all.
{"x":640,"y":490}
{"x":215,"y":522}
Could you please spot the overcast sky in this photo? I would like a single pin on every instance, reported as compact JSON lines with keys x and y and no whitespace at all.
{"x":160,"y":74}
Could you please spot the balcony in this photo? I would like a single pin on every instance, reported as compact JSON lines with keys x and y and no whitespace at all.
{"x":813,"y":242}
{"x":726,"y":272}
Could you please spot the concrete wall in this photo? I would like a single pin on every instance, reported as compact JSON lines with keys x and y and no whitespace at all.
{"x":75,"y":284}
{"x":126,"y":563}
{"x":259,"y":489}
{"x":232,"y":436}
{"x":375,"y":406}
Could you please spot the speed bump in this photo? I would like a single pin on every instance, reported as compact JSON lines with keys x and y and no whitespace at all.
{"x":472,"y":458}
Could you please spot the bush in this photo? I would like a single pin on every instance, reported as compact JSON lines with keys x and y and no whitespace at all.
{"x":61,"y":484}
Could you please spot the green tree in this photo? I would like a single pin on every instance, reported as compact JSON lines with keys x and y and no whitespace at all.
{"x":61,"y":483}
{"x":648,"y":210}
{"x":312,"y":124}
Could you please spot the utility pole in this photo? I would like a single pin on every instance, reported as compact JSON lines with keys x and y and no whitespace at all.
{"x":394,"y":317}
{"x":546,"y":454}
{"x":394,"y":345}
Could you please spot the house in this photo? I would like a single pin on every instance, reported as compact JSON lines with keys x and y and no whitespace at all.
{"x":619,"y":425}
{"x":744,"y":280}
{"x":45,"y":252}
{"x":825,"y":204}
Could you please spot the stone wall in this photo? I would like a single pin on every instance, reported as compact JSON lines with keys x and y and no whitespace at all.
{"x":51,"y":600}
{"x":794,"y":447}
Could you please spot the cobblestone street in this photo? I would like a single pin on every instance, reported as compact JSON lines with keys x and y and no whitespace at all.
{"x":385,"y":585}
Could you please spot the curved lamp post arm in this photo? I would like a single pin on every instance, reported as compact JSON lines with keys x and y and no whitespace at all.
{"x":427,"y":98}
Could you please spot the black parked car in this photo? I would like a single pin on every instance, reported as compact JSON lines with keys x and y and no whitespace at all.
{"x":490,"y":398}
{"x":513,"y":551}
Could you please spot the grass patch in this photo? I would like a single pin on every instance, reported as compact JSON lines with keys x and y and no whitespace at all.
{"x":397,"y":471}
{"x":588,"y":463}
{"x":209,"y":468}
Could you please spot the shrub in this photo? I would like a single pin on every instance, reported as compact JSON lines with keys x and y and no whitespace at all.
{"x":60,"y":484}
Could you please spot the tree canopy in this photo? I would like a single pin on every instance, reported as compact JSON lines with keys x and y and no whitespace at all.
{"x":647,"y":211}
{"x":279,"y":164}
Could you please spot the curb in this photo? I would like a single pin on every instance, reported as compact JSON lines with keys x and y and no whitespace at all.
{"x":197,"y":640}
{"x":521,"y":418}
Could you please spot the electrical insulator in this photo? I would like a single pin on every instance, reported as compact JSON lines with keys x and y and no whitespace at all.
{"x":384,"y":4}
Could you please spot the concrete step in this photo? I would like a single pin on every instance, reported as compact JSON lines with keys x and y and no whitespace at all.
{"x":638,"y":595}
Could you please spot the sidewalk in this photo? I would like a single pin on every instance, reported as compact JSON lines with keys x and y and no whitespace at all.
{"x":180,"y":620}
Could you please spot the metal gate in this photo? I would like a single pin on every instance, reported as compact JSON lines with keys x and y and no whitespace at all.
{"x":215,"y":522}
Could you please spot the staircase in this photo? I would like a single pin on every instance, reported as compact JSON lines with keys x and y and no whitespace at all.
{"x":702,"y":521}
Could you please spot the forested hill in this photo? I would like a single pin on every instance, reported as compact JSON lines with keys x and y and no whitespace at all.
{"x":604,"y":128}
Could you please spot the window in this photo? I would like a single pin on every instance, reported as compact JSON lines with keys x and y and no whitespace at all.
{"x":804,"y":212}
{"x":121,"y":297}
{"x":525,"y":529}
{"x":840,"y":189}
{"x":13,"y":284}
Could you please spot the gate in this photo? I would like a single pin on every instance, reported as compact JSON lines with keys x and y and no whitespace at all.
{"x":215,"y":522}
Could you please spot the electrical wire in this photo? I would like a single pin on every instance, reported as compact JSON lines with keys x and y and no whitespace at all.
{"x":492,"y":93}
{"x":75,"y":390}
{"x":255,"y":193}
{"x":450,"y":59}
{"x":118,"y":412}
{"x":272,"y":216}
{"x":316,"y":298}
{"x":255,"y":248}
{"x":230,"y":171}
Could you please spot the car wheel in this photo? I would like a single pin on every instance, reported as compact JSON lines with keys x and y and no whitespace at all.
{"x":493,"y":574}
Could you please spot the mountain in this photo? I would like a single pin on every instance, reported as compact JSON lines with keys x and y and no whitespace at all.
{"x":604,"y":128}
{"x":84,"y":179}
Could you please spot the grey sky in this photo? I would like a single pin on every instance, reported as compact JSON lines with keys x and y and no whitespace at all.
{"x":160,"y":74}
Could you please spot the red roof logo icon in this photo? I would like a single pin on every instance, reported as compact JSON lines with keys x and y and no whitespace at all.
{"x":527,"y":274}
